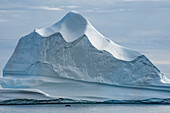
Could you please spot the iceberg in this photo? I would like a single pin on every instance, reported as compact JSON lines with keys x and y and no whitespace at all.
{"x":71,"y":62}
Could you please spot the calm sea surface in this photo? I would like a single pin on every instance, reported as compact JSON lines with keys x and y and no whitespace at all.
{"x":86,"y":108}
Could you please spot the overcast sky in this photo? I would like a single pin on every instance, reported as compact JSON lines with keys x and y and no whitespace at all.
{"x":143,"y":25}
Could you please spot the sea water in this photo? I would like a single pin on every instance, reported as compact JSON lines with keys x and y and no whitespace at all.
{"x":86,"y":108}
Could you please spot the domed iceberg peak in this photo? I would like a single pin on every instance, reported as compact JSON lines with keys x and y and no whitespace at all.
{"x":72,"y":48}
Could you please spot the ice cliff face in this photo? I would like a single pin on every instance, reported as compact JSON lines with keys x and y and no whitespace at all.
{"x":74,"y":49}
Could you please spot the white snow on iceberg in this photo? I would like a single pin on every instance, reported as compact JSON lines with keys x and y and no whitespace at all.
{"x":74,"y":26}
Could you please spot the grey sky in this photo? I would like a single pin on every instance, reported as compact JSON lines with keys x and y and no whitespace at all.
{"x":143,"y":25}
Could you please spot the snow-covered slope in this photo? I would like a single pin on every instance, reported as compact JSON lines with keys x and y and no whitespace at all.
{"x":74,"y":25}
